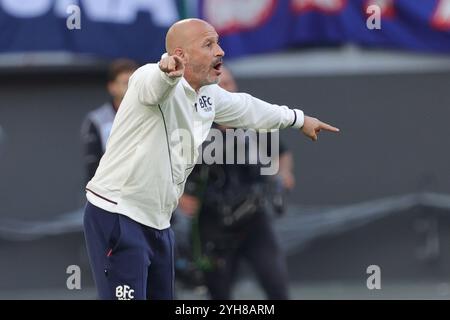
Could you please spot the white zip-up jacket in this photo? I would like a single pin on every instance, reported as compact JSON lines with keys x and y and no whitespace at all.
{"x":155,"y":137}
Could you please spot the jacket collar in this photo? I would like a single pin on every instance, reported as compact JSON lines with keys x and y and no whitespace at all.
{"x":187,"y":86}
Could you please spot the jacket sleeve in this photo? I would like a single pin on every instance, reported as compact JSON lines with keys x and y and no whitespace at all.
{"x":152,"y":85}
{"x":241,"y":110}
{"x":92,"y":148}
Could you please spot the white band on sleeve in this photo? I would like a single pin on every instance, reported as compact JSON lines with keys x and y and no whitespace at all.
{"x":299,"y":118}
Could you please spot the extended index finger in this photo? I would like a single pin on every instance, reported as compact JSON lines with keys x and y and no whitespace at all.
{"x":326,"y":126}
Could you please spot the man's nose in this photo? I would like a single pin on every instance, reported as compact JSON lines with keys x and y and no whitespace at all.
{"x":219,"y":52}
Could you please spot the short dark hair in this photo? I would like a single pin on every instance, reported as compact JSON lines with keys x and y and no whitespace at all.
{"x":120,"y":66}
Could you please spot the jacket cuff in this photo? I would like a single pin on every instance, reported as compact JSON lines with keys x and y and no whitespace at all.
{"x":298,"y":118}
{"x":169,"y":80}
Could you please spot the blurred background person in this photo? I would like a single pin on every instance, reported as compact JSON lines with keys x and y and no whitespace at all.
{"x":97,"y":124}
{"x":222,"y":237}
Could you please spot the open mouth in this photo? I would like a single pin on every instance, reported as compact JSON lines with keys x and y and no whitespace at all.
{"x":217,"y":66}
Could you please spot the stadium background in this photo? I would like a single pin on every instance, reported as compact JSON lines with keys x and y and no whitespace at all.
{"x":378,"y":193}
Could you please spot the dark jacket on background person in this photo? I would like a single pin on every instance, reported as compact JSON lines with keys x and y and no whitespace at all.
{"x":95,"y":131}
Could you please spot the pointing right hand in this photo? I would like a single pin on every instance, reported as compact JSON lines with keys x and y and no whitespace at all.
{"x":313,"y":126}
{"x":173,"y":66}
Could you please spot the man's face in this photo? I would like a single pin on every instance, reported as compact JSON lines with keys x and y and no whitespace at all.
{"x":204,"y":58}
{"x":119,"y":86}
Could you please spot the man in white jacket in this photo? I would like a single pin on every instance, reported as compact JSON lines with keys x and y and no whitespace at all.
{"x":163,"y":119}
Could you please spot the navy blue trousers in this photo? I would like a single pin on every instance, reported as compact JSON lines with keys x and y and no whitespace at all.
{"x":128,"y":260}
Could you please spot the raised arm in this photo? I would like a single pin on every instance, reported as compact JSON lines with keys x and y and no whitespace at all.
{"x":155,"y":82}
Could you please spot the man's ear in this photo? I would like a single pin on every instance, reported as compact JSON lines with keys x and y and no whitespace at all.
{"x":180,"y":53}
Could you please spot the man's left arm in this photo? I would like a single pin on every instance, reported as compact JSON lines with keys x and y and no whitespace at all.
{"x":241,"y":110}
